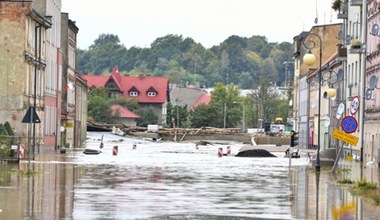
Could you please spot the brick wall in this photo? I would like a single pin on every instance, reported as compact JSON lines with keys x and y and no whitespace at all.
{"x":14,"y":11}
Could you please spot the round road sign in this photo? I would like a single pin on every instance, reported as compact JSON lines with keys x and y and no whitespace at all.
{"x":349,"y":124}
{"x":354,"y":105}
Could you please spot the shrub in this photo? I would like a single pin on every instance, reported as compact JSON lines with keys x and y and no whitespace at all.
{"x":9,"y":129}
{"x":3,"y":131}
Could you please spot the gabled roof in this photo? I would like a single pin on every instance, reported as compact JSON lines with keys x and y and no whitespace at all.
{"x":123,"y":112}
{"x":204,"y":99}
{"x":143,"y":84}
{"x":116,"y":77}
{"x":96,"y":81}
{"x":186,"y":95}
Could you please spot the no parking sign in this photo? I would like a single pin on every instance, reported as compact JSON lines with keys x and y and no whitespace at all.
{"x":349,"y":124}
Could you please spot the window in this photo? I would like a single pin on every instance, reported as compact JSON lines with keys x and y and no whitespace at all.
{"x":133,"y":93}
{"x":151,"y":93}
{"x":111,"y":85}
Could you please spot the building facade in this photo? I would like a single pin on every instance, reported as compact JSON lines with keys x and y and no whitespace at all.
{"x":80,"y":124}
{"x":31,"y":65}
{"x":371,"y":149}
{"x":69,"y":33}
{"x":53,"y":73}
{"x":23,"y":68}
{"x":306,"y":84}
{"x":353,"y":39}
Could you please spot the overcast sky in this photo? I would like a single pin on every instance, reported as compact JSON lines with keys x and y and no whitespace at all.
{"x":209,"y":22}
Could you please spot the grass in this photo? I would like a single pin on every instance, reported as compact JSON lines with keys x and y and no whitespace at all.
{"x":367,"y":190}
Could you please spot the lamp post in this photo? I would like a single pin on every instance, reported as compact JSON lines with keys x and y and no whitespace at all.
{"x":310,"y":59}
{"x":242,"y":105}
{"x":286,"y":71}
{"x":177,"y":105}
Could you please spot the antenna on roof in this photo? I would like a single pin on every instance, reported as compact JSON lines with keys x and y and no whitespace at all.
{"x":316,"y":12}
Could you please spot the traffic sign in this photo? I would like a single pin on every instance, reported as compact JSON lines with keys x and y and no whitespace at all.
{"x":354,"y":105}
{"x":31,"y":116}
{"x":349,"y":124}
{"x":348,"y":138}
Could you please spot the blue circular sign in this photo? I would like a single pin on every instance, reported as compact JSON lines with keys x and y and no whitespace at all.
{"x":349,"y":124}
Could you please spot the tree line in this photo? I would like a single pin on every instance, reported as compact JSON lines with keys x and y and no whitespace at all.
{"x":238,"y":60}
{"x":237,"y":63}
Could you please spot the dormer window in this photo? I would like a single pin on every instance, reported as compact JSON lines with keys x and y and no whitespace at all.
{"x":134,"y":93}
{"x":111,"y":85}
{"x":152,"y":94}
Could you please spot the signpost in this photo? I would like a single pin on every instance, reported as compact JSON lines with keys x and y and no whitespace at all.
{"x":32,"y":118}
{"x":348,"y":138}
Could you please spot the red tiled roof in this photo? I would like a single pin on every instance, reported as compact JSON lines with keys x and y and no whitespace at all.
{"x":123,"y":112}
{"x":315,"y":71}
{"x":204,"y":99}
{"x":143,"y":84}
{"x":96,"y":81}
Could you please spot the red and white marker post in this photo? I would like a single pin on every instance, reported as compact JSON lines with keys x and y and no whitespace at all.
{"x":21,"y":151}
{"x":228,"y":150}
{"x":220,"y":152}
{"x":115,"y":150}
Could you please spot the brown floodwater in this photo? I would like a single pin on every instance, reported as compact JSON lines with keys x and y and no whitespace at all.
{"x":167,"y":180}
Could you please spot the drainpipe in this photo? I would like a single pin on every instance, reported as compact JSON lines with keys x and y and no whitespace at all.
{"x":57,"y":100}
{"x":37,"y":53}
{"x":362,"y":78}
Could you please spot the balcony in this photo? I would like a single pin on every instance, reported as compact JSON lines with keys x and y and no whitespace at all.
{"x":342,"y":54}
{"x":343,"y":11}
{"x":356,"y":46}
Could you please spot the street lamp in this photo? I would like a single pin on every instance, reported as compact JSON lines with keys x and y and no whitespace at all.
{"x":242,"y":105}
{"x":310,"y":59}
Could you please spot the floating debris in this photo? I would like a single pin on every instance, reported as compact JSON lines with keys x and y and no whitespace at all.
{"x":255,"y":153}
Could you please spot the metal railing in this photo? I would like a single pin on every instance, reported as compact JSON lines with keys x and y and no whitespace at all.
{"x":13,"y":148}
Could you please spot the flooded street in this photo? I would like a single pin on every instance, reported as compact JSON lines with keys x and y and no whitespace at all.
{"x":167,"y":180}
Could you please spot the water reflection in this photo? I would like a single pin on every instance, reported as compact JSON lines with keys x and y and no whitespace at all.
{"x":171,"y":181}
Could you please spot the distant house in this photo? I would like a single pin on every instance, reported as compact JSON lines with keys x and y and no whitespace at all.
{"x":150,"y":91}
{"x":125,"y":116}
{"x":191,"y":97}
{"x":204,"y":99}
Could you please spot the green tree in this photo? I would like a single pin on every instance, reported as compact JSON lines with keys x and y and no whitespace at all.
{"x":9,"y":128}
{"x":267,"y":103}
{"x":177,"y":115}
{"x":99,"y":109}
{"x":147,"y":116}
{"x":102,"y":55}
{"x":105,"y":40}
{"x":237,"y":60}
{"x":3,"y":131}
{"x":200,"y":116}
{"x":102,"y":92}
{"x":222,"y":102}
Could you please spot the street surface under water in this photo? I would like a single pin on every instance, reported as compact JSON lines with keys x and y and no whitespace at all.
{"x":168,"y":180}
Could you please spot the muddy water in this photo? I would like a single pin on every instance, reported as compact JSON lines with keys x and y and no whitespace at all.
{"x":164,"y":180}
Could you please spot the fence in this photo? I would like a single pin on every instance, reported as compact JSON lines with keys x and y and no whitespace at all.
{"x":13,"y":148}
